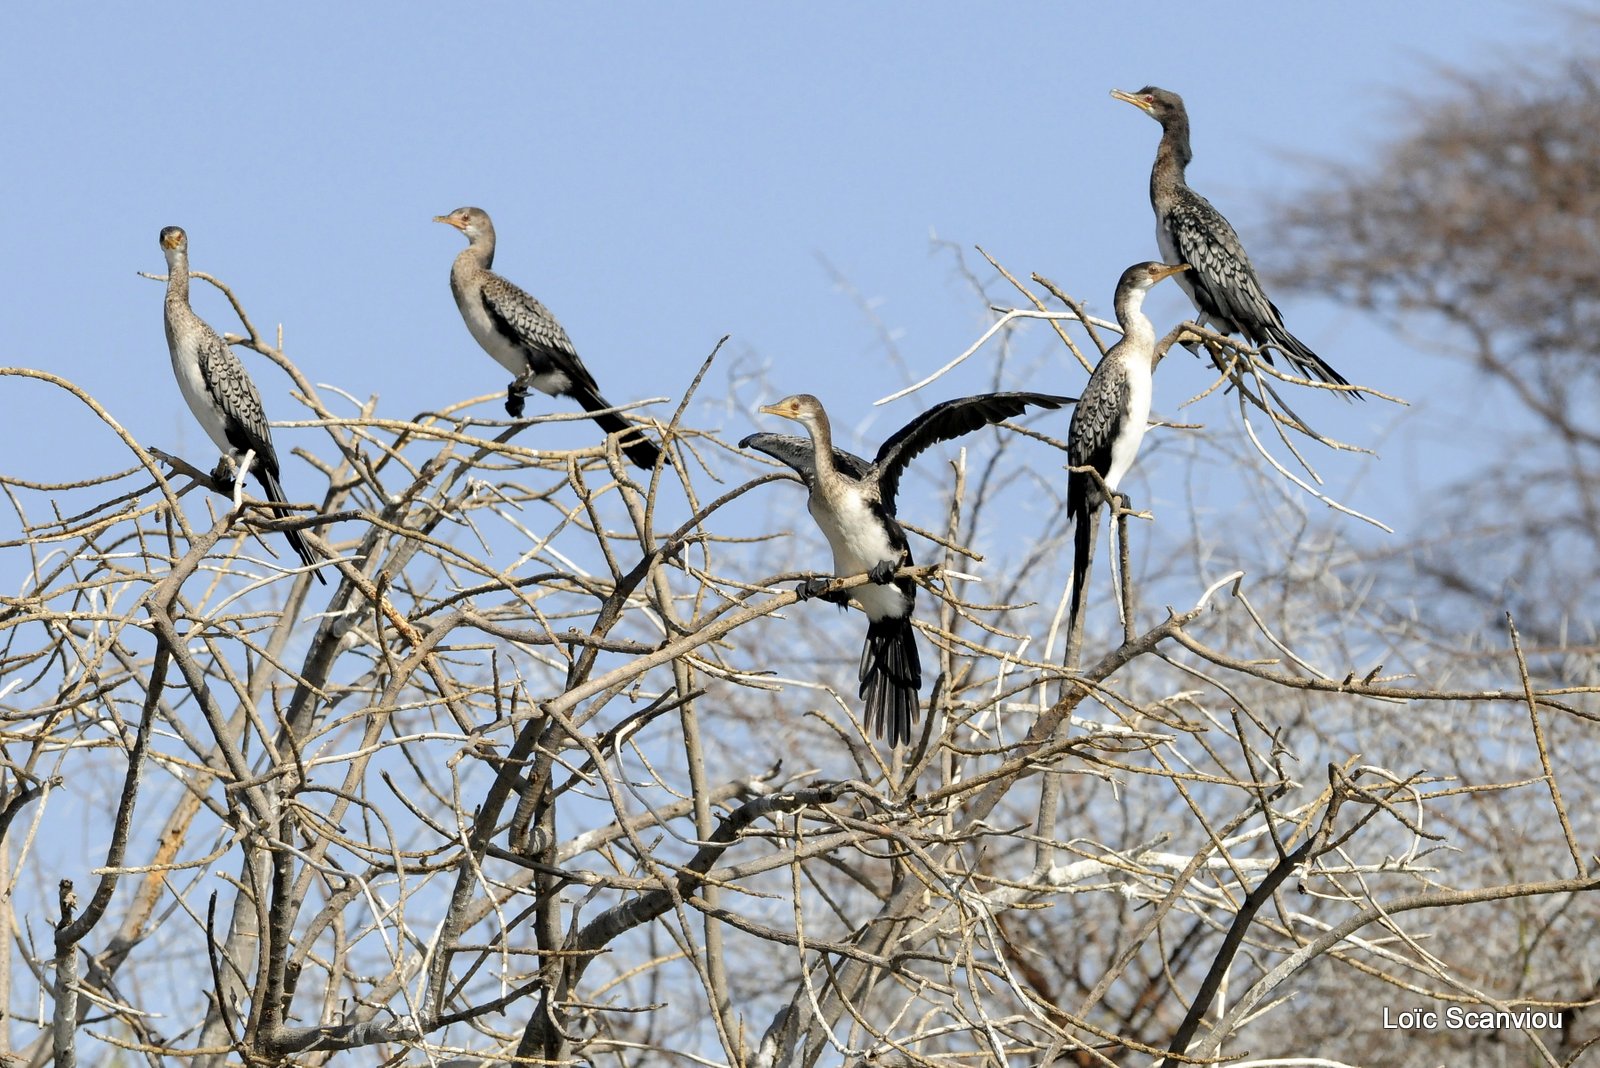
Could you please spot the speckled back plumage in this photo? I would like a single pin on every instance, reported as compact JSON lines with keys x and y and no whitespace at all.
{"x":236,"y":395}
{"x":1223,"y":283}
{"x":527,"y":323}
{"x":1095,"y":422}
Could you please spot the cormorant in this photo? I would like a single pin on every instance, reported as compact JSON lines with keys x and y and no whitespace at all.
{"x":1112,"y":416}
{"x":219,"y":392}
{"x":1222,"y":283}
{"x":525,"y":338}
{"x":853,"y":502}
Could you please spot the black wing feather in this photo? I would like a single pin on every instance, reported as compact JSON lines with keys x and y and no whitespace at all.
{"x":951,"y":419}
{"x":247,"y":427}
{"x":230,"y":387}
{"x":1095,"y":424}
{"x":800,"y":455}
{"x":1224,"y":281}
{"x":1225,"y":287}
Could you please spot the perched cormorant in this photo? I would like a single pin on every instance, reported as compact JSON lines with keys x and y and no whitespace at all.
{"x":853,"y":502}
{"x":1111,"y":417}
{"x":219,"y":392}
{"x":525,"y":338}
{"x":1223,"y":284}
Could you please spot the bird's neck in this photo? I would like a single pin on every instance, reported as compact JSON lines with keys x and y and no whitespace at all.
{"x":1172,"y":155}
{"x":478,"y":253}
{"x":822,"y":444}
{"x":178,"y":279}
{"x":1138,"y":332}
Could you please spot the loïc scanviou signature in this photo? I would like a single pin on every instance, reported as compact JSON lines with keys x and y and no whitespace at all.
{"x":1462,"y":1018}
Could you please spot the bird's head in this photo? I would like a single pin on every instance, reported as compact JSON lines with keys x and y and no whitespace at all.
{"x":803,"y":408}
{"x":1157,"y":272}
{"x":1136,"y":282}
{"x":1145,"y":275}
{"x":173,"y":239}
{"x":1159,"y":104}
{"x":474,"y":222}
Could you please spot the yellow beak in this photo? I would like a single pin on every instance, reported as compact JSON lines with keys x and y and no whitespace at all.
{"x":1129,"y":98}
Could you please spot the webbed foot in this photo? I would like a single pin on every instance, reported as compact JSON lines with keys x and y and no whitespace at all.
{"x":883,"y":571}
{"x":811,"y":587}
{"x":226,"y":472}
{"x":515,"y":394}
{"x":818,"y":587}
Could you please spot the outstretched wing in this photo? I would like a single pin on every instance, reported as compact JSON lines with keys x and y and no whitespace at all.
{"x":800,"y":455}
{"x":528,"y":324}
{"x":950,"y":419}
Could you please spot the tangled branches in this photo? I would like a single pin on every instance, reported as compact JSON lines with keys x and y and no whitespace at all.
{"x":533,"y":785}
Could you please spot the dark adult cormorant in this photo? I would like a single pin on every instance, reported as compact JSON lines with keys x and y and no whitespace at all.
{"x":1110,"y":420}
{"x":1222,"y":284}
{"x":219,"y":392}
{"x":853,"y":503}
{"x":525,"y":338}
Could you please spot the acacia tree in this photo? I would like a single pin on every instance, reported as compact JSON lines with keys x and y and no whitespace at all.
{"x":1473,"y":233}
{"x":559,"y":771}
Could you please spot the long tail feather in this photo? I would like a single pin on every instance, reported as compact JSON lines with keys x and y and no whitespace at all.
{"x":1310,"y":364}
{"x":641,"y":451}
{"x":274,"y":490}
{"x":1086,"y":524}
{"x":891,"y":675}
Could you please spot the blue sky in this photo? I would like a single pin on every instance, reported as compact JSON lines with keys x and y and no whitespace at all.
{"x":660,"y":175}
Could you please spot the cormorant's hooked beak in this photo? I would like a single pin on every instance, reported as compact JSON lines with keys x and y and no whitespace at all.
{"x":787,"y":408}
{"x":1168,"y":270}
{"x":1134,"y":99}
{"x":448,"y":221}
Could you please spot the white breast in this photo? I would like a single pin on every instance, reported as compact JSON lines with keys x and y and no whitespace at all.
{"x":859,"y":542}
{"x":1125,"y":447}
{"x":186,"y":368}
{"x":481,"y":327}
